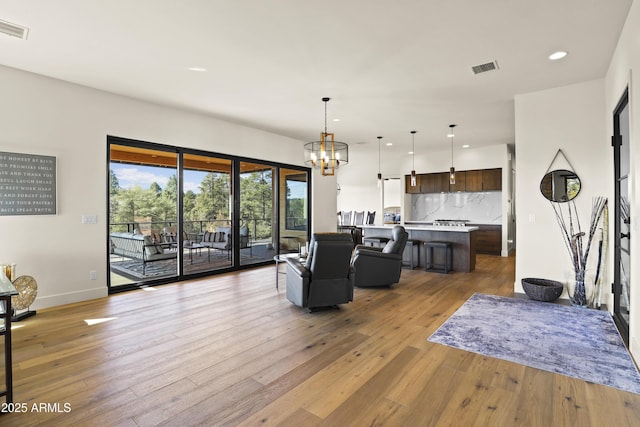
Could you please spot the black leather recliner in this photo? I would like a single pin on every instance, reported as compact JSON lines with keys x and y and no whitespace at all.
{"x":380,"y":266}
{"x":325,"y":278}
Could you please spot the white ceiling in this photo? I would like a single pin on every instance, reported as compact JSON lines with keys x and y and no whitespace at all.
{"x":389,"y":67}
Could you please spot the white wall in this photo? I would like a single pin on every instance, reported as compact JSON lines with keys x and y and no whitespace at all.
{"x":44,"y":116}
{"x":624,"y":64}
{"x":323,"y":202}
{"x":570,"y":118}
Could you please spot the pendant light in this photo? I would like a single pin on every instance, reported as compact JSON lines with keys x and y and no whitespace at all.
{"x":379,"y":173}
{"x":452,"y":170}
{"x":413,"y":159}
{"x":326,"y":154}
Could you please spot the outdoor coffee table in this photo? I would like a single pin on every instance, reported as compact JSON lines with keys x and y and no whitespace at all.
{"x":198,"y":247}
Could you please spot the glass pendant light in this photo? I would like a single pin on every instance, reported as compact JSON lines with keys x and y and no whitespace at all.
{"x":413,"y":159}
{"x":379,"y":173}
{"x":452,"y":170}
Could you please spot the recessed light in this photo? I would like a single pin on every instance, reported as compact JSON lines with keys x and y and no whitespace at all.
{"x":557,"y":55}
{"x":336,"y":120}
{"x":389,"y":144}
{"x":465,"y":146}
{"x":197,"y":69}
{"x":410,"y":152}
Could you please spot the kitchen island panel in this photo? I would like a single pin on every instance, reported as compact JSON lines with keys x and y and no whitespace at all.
{"x":463,"y":240}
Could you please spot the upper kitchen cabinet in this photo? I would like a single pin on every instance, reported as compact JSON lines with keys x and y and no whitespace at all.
{"x":473,"y":180}
{"x":441,"y":182}
{"x":427,"y":183}
{"x":492,"y":179}
{"x":413,"y":190}
{"x":461,"y":180}
{"x":469,"y":181}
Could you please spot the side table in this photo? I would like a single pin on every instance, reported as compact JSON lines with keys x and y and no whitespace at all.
{"x":282,"y":258}
{"x":7,"y":290}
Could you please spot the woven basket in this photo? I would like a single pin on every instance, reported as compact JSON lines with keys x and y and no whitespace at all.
{"x":542,"y":289}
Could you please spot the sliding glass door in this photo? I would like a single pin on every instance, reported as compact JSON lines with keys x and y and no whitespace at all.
{"x":257,"y":194}
{"x":177,"y":213}
{"x":142,"y":208}
{"x":207,"y":213}
{"x":294,"y":210}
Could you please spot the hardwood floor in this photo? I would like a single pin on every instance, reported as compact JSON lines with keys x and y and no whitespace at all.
{"x":231,"y":350}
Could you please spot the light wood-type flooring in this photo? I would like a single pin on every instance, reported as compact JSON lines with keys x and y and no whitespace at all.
{"x":231,"y":350}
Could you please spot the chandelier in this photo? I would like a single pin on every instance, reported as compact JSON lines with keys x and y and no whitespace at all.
{"x":327,"y":154}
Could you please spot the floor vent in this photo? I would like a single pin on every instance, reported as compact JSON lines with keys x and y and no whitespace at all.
{"x":483,"y":68}
{"x":13,"y":30}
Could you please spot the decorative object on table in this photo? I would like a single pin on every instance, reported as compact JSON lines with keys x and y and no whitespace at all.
{"x":27,"y":288}
{"x":542,"y":289}
{"x":581,"y":293}
{"x":583,"y":344}
{"x":9,"y":271}
{"x":327,"y":153}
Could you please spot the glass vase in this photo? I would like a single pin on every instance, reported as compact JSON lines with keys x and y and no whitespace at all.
{"x":581,"y":289}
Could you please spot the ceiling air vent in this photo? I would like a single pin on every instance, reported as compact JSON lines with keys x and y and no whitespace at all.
{"x":483,"y":68}
{"x":13,"y":30}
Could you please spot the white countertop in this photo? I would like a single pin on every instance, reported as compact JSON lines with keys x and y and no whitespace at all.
{"x":426,"y":227}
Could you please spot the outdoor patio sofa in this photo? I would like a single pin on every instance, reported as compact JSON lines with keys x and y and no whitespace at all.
{"x":141,"y":247}
{"x":221,"y":239}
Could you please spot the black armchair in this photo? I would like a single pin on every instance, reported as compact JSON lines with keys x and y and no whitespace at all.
{"x":325,"y":278}
{"x":380,"y":266}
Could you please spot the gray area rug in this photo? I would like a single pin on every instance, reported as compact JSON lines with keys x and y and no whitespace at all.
{"x":577,"y":342}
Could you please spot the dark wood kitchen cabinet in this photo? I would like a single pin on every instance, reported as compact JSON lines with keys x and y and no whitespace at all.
{"x":413,"y":190}
{"x":488,"y":239}
{"x":492,"y":179}
{"x":469,"y":181}
{"x":461,"y":181}
{"x":473,"y":180}
{"x":441,"y":182}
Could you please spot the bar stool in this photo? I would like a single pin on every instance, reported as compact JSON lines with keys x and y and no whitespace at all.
{"x":429,"y":264}
{"x":413,"y":246}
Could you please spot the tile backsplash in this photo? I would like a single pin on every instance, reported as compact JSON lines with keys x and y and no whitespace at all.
{"x":477,"y":207}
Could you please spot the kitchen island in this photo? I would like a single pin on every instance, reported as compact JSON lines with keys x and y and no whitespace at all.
{"x":461,"y":237}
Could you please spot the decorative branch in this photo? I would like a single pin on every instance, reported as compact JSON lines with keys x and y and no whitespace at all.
{"x":572,"y":232}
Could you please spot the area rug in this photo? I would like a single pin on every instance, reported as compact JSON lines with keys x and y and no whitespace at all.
{"x":132,"y":269}
{"x":577,"y":342}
